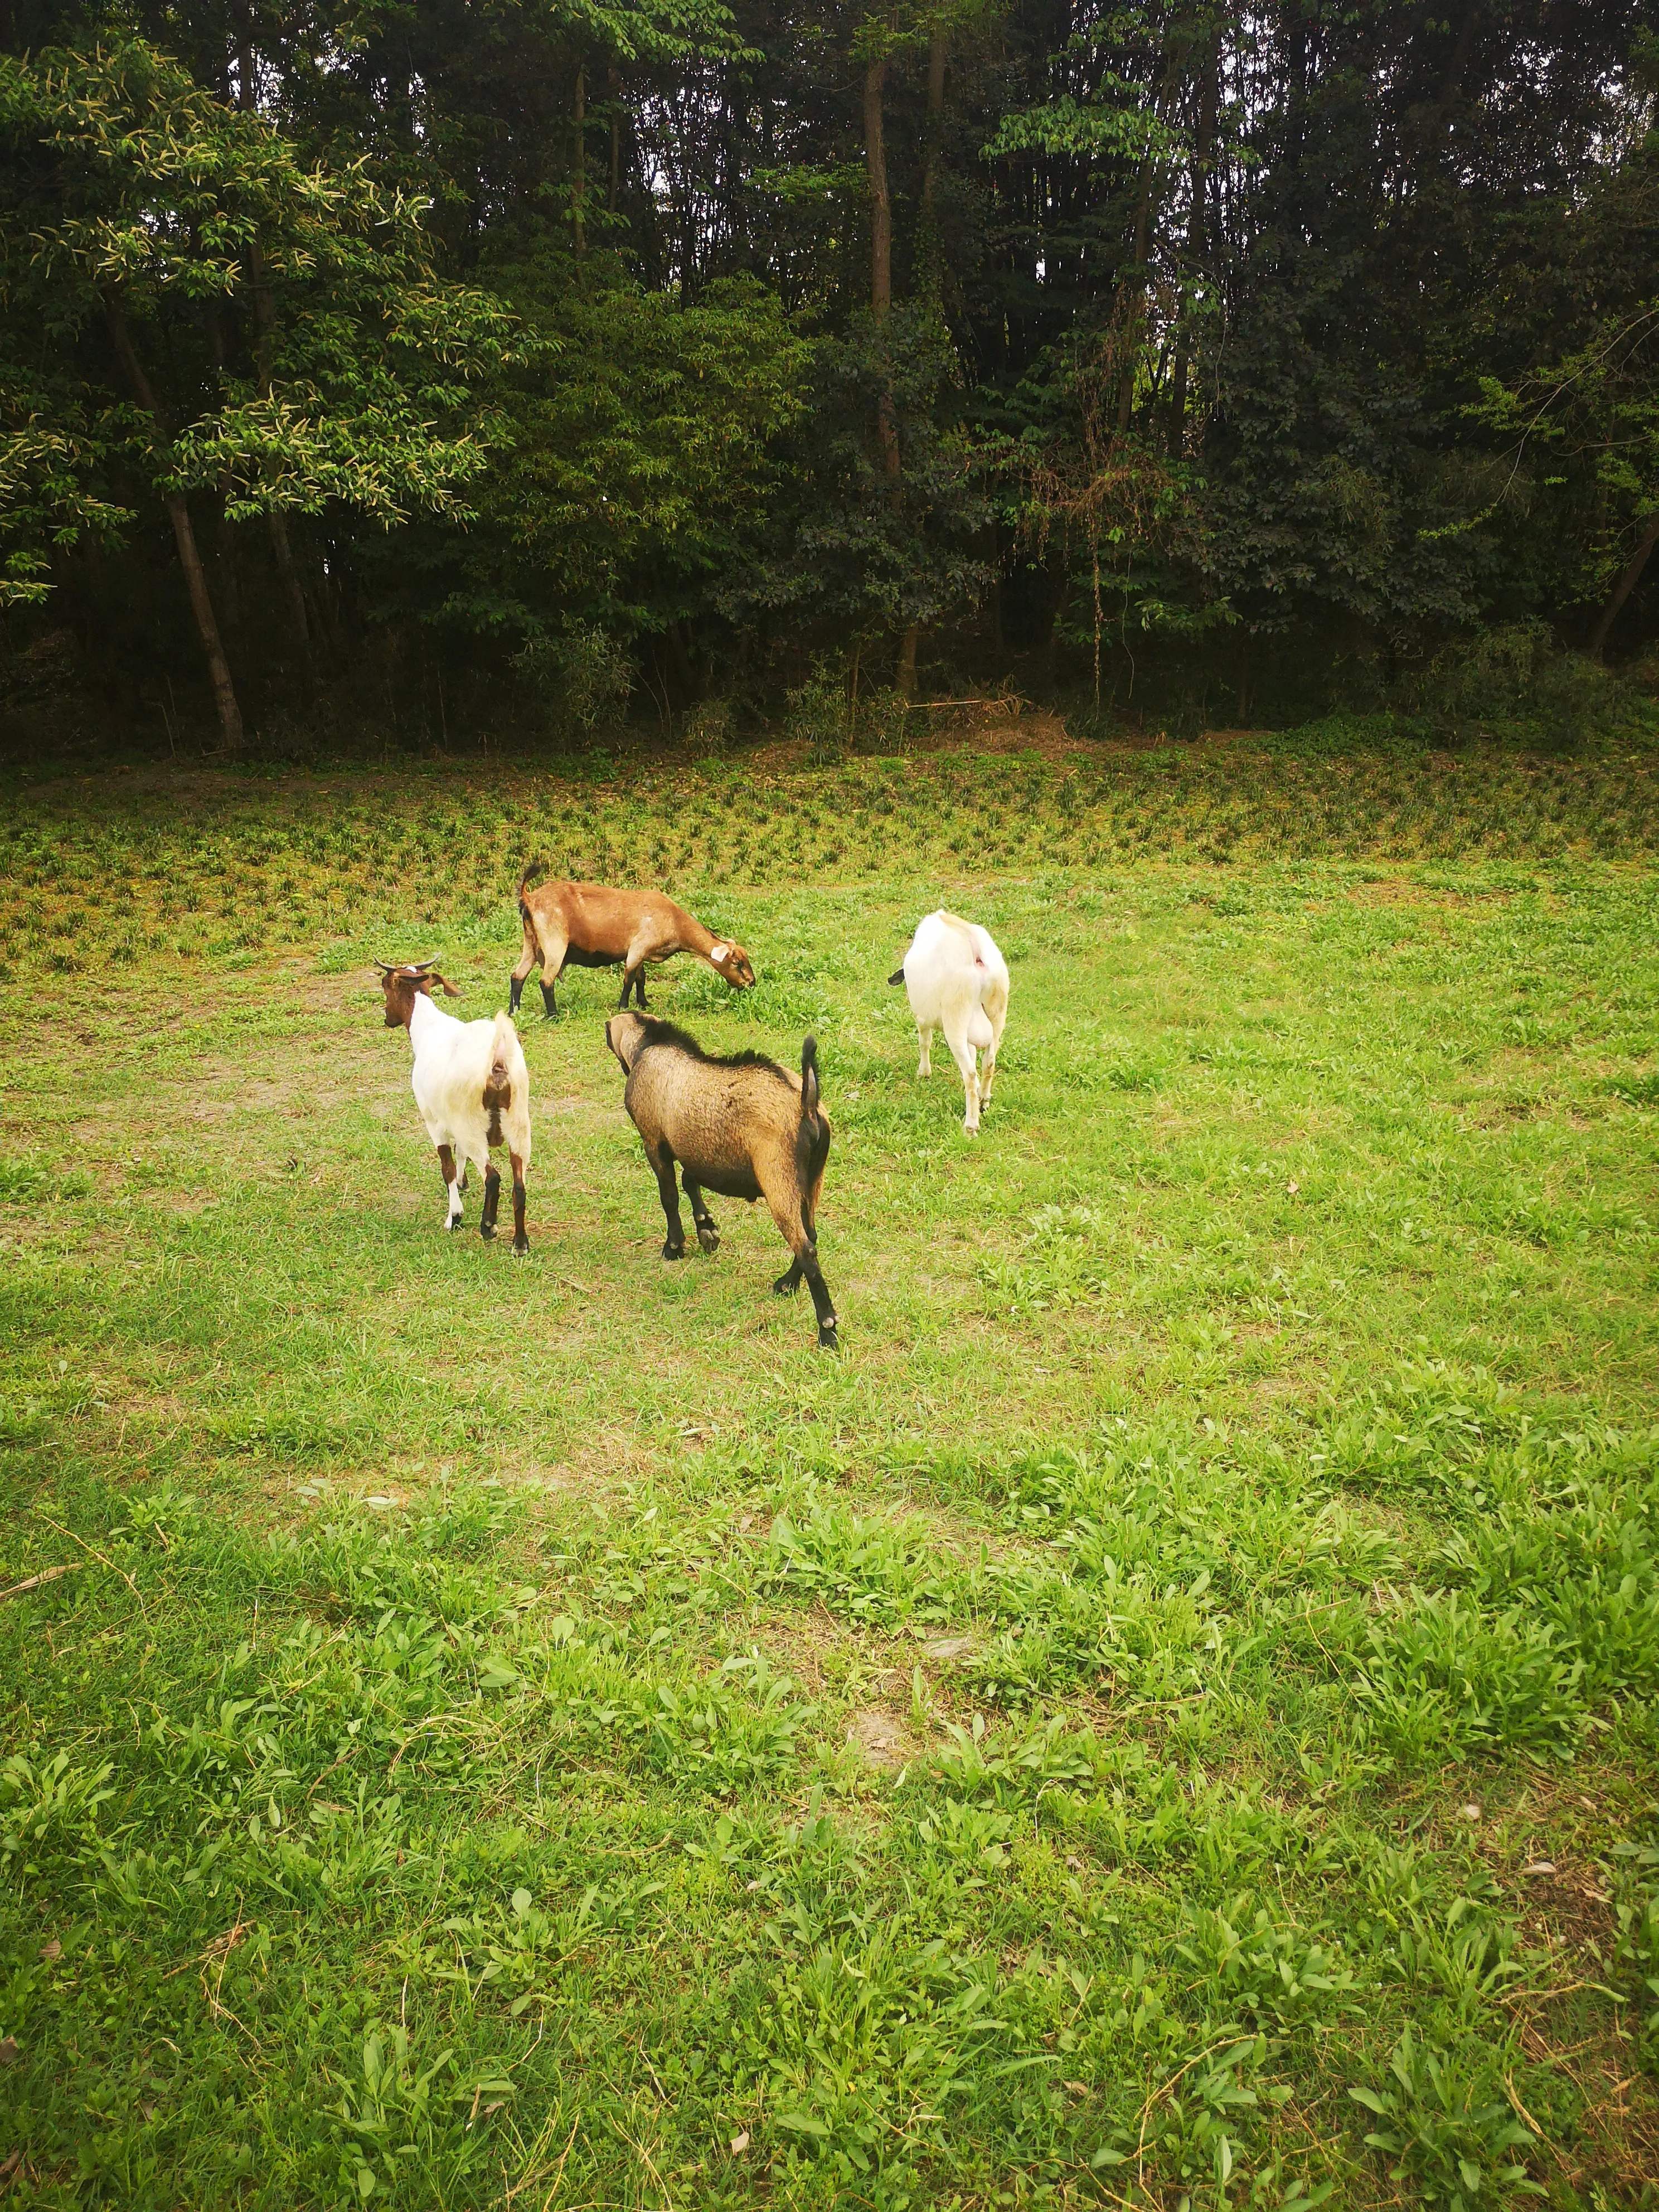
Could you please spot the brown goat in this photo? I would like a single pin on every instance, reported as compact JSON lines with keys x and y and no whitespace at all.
{"x":592,"y":927}
{"x":744,"y":1126}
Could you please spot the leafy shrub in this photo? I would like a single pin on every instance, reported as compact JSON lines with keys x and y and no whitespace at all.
{"x":1444,"y":1674}
{"x":581,"y":680}
{"x":1512,"y":677}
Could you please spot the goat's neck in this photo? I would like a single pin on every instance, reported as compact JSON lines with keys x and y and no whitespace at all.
{"x":425,"y":1019}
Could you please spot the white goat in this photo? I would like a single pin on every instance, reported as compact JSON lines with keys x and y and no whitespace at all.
{"x":471,"y":1086}
{"x":957,"y":982}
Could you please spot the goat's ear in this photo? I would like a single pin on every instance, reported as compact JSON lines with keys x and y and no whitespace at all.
{"x":718,"y":951}
{"x":445,"y":985}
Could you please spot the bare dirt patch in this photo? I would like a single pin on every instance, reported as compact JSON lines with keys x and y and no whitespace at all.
{"x":881,"y":1737}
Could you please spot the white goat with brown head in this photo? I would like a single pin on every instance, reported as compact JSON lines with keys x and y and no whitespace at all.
{"x":471,"y":1085}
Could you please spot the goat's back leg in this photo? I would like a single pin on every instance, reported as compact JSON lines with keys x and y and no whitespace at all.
{"x":708,"y":1236}
{"x":492,"y":1199}
{"x":452,"y":1186}
{"x":534,"y":951}
{"x":662,"y":1166}
{"x":995,"y":1002}
{"x":552,"y":967}
{"x":967,"y":1060}
{"x":521,"y":1240}
{"x":804,"y":1245}
{"x":925,"y":1037}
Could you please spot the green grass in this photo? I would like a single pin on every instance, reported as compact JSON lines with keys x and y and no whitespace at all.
{"x":543,"y":1733}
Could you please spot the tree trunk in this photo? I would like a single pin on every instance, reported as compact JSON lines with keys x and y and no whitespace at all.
{"x":1197,"y":237}
{"x":1126,"y":390}
{"x":293,"y":590}
{"x":931,"y":242}
{"x":579,"y":172}
{"x":613,"y":88}
{"x":1627,"y":582}
{"x":190,"y":558}
{"x":881,"y":207}
{"x":881,"y":307}
{"x":906,"y":673}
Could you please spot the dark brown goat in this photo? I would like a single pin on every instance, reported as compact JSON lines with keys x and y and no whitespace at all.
{"x":744,"y":1126}
{"x":593,"y":926}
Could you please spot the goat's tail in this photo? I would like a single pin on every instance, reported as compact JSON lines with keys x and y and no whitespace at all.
{"x":498,"y":1084}
{"x":532,"y":870}
{"x":811,"y":1137}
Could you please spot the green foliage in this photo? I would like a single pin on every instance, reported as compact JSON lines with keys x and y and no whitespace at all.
{"x":643,"y":438}
{"x":137,"y":192}
{"x":1449,"y":2125}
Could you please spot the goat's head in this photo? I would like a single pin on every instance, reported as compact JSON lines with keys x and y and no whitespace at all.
{"x":727,"y":958}
{"x":626,"y":1034}
{"x":403,"y":985}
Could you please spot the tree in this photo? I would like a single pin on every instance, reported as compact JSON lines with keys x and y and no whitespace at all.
{"x":141,"y":216}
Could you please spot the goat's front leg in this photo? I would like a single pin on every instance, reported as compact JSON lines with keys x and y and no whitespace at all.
{"x":492,"y":1199}
{"x":789,"y":1281}
{"x":447,"y":1161}
{"x":520,"y":1241}
{"x":708,"y":1236}
{"x":662,"y":1165}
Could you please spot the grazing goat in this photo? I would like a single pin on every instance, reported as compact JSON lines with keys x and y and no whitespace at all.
{"x":744,"y":1126}
{"x":600,"y":928}
{"x":471,"y":1086}
{"x":957,"y":982}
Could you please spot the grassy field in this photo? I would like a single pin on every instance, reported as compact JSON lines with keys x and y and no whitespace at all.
{"x":1164,"y":1718}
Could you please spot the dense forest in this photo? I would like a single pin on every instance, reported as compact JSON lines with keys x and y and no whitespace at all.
{"x":465,"y":363}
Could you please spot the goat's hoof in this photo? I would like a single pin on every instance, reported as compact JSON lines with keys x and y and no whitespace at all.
{"x":828,"y":1340}
{"x":710,"y":1239}
{"x":452,"y":1226}
{"x":786,"y":1283}
{"x":487,"y":1231}
{"x":520,"y":1247}
{"x":673,"y":1251}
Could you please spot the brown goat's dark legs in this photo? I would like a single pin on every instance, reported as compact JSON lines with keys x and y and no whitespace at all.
{"x":805,"y":1265}
{"x":708,"y":1236}
{"x":492,"y":1199}
{"x":663,"y":1167}
{"x":521,"y":1242}
{"x":823,"y":1304}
